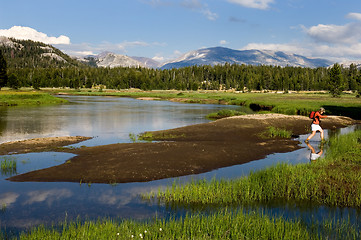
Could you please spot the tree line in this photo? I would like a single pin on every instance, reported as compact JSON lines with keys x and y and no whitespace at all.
{"x":219,"y":77}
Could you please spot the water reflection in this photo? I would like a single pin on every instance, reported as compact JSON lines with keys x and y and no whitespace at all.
{"x":111,"y":120}
{"x":107,"y":119}
{"x":313,"y":154}
{"x":3,"y":122}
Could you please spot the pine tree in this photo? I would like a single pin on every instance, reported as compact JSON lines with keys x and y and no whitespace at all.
{"x":335,"y":83}
{"x":3,"y":72}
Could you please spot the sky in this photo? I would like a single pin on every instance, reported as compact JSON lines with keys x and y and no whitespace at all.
{"x":165,"y":29}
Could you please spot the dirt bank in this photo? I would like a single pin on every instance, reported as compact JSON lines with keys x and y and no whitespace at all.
{"x":39,"y":144}
{"x":192,"y":149}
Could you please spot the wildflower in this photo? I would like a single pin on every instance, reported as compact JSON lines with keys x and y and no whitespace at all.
{"x":118,"y":234}
{"x":145,"y":231}
{"x":132,"y":236}
{"x":160,"y":229}
{"x":140,"y":235}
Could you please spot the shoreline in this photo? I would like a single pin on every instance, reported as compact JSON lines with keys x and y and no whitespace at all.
{"x":181,"y":151}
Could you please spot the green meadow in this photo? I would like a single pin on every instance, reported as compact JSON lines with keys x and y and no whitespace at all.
{"x":20,"y":98}
{"x":286,"y":103}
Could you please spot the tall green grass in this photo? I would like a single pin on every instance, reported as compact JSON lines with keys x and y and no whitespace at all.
{"x":221,"y":225}
{"x":224,"y":113}
{"x":19,"y":98}
{"x":334,"y":181}
{"x":7,"y":166}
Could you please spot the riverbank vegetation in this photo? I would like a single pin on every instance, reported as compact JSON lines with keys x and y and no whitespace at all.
{"x":333,"y":181}
{"x":221,"y":225}
{"x":291,"y":104}
{"x":18,"y":98}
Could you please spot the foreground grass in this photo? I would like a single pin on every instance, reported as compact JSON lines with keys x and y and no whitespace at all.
{"x":19,"y":98}
{"x":7,"y":166}
{"x":334,"y":180}
{"x":291,"y":103}
{"x":221,"y":225}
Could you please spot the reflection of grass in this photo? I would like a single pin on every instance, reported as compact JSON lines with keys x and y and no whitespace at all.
{"x":8,"y":166}
{"x":221,"y":225}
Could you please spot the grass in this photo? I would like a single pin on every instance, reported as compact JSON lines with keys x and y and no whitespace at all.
{"x":333,"y":181}
{"x":7,"y":166}
{"x":291,"y":104}
{"x":224,"y":113}
{"x":20,"y":98}
{"x":152,"y":136}
{"x":221,"y":225}
{"x":273,"y":132}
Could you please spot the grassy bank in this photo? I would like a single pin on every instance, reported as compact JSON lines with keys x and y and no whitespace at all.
{"x":221,"y":225}
{"x":291,"y":103}
{"x":20,"y":98}
{"x":334,"y":181}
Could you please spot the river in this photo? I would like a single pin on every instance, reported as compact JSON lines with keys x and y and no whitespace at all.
{"x":108,"y":120}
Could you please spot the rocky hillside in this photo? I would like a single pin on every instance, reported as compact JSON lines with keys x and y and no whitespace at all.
{"x":30,"y":54}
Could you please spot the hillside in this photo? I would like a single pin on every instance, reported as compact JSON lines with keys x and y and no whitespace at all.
{"x":30,"y":54}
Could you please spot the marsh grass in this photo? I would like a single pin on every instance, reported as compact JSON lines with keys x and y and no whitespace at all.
{"x":18,"y":98}
{"x":333,"y":181}
{"x":273,"y":132}
{"x":221,"y":225}
{"x":224,"y":113}
{"x":8,"y":166}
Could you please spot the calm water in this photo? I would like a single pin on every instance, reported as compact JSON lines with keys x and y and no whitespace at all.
{"x":109,"y":120}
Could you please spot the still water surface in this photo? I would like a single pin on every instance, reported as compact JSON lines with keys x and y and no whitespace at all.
{"x":110,"y":120}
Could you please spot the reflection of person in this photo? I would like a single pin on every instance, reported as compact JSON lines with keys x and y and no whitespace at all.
{"x":313,"y":155}
{"x":315,"y":126}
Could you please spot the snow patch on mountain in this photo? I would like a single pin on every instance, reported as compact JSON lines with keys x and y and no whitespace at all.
{"x":221,"y":55}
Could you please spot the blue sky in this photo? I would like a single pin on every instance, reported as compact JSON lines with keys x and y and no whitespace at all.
{"x":165,"y":29}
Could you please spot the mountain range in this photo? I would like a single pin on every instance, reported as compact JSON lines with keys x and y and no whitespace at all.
{"x":207,"y":56}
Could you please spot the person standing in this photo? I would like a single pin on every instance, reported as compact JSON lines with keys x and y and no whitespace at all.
{"x":315,"y":126}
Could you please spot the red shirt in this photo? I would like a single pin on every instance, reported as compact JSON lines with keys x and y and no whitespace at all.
{"x":316,"y":119}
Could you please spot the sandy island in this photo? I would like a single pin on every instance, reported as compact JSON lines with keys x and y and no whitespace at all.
{"x":187,"y":150}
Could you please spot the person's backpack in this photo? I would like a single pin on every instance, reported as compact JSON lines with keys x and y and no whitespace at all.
{"x":312,"y":114}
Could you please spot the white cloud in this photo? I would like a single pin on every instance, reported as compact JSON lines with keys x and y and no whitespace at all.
{"x":223,"y":42}
{"x":356,"y":16}
{"x":48,"y":196}
{"x":346,"y":34}
{"x":196,"y":5}
{"x":27,"y":33}
{"x":258,"y":4}
{"x":6,"y":199}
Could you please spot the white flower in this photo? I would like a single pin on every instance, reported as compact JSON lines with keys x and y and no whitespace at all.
{"x":145,"y":231}
{"x":118,"y":234}
{"x":132,"y":236}
{"x":160,"y":229}
{"x":140,"y":235}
